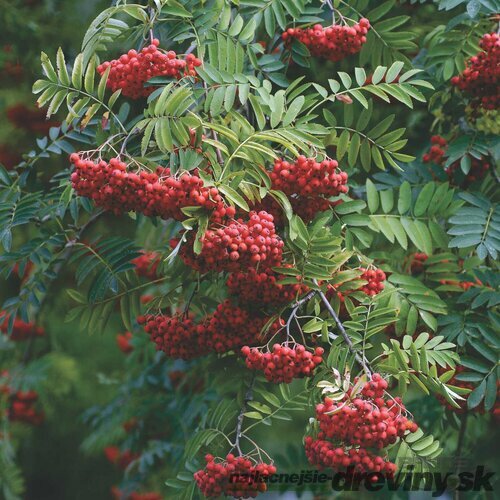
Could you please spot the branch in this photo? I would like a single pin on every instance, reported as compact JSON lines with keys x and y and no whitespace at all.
{"x":296,"y":307}
{"x":134,"y":131}
{"x":241,"y":416}
{"x":361,"y":359}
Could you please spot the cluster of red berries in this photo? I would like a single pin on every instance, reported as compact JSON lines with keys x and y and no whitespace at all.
{"x":22,"y":408}
{"x":29,"y":119}
{"x":437,"y":155}
{"x":417,"y":263}
{"x":307,"y":177}
{"x":21,"y":330}
{"x":122,"y":459}
{"x":228,"y":328}
{"x":231,"y":327}
{"x":284,"y":363}
{"x":238,"y":245}
{"x":308,"y":184}
{"x":480,"y":78}
{"x":334,"y":42}
{"x":325,"y":454}
{"x":235,"y":476}
{"x":117,"y":494}
{"x":146,"y":265}
{"x":307,"y":207}
{"x":123,"y":342}
{"x":158,"y":193}
{"x":132,"y":70}
{"x":259,"y":288}
{"x":359,"y":421}
{"x":375,"y":278}
{"x":369,"y":421}
{"x":176,"y":336}
{"x":478,"y":169}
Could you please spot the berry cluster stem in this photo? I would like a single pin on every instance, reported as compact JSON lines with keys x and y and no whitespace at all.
{"x":296,"y":307}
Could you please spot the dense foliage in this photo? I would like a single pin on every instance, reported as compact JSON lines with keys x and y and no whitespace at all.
{"x":258,"y":236}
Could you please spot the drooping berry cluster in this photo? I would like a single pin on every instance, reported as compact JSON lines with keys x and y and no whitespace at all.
{"x":369,"y":421}
{"x":437,"y":155}
{"x":21,"y":330}
{"x":146,"y":265}
{"x":122,"y":459}
{"x":333,"y":42}
{"x":480,"y":78}
{"x":22,"y":408}
{"x":132,"y":70}
{"x":228,"y":328}
{"x":283,"y":363}
{"x":325,"y":454}
{"x":231,"y":327}
{"x":123,"y":342}
{"x":235,"y":476}
{"x":307,"y":177}
{"x":238,"y":245}
{"x":308,"y":183}
{"x":258,"y":288}
{"x":357,"y":422}
{"x":375,"y":278}
{"x":176,"y":336}
{"x":159,"y":193}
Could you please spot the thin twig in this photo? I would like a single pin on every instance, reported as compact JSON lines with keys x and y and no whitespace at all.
{"x":241,"y":416}
{"x":190,"y":49}
{"x":218,"y":152}
{"x":361,"y":359}
{"x":188,"y":303}
{"x":295,"y":309}
{"x":152,"y":16}
{"x":127,"y":138}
